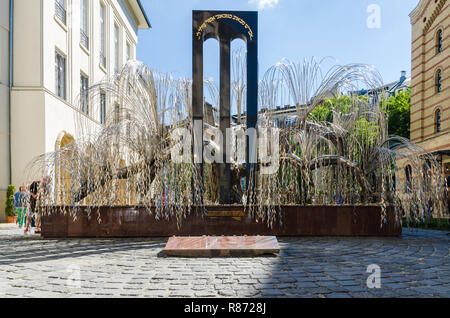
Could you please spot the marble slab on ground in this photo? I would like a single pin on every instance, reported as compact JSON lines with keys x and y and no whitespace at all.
{"x":216,"y":246}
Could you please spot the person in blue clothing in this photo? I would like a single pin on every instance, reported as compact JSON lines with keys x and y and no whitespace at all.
{"x":20,"y":201}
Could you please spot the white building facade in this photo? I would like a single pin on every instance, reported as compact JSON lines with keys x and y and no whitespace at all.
{"x":59,"y":48}
{"x":4,"y":103}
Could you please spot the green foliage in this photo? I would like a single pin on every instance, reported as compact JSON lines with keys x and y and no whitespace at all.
{"x":432,"y":224}
{"x":9,"y":210}
{"x":324,"y":112}
{"x":344,"y":104}
{"x":366,"y":131}
{"x":399,"y":112}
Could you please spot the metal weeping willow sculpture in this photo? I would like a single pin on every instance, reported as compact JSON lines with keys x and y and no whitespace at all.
{"x":347,"y":160}
{"x":335,"y":151}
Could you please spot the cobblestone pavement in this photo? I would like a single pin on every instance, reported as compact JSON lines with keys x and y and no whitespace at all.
{"x":415,"y":265}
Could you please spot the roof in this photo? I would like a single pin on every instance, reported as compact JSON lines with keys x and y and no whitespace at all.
{"x":389,"y":88}
{"x":402,"y":83}
{"x":142,"y":19}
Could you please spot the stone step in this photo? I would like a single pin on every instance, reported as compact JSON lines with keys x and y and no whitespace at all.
{"x":221,"y":246}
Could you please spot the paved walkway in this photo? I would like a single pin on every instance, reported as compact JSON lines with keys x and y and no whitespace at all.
{"x":415,"y":265}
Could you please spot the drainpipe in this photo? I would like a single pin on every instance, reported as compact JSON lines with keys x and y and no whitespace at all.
{"x":11,"y":78}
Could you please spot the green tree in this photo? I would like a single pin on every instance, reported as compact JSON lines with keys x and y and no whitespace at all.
{"x":399,"y":112}
{"x":366,"y":132}
{"x":324,"y":111}
{"x":9,"y":210}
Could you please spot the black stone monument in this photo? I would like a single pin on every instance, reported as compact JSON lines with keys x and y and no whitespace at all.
{"x":225,"y":26}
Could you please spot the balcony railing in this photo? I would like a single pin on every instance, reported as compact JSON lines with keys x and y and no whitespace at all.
{"x":60,"y":12}
{"x":84,"y":39}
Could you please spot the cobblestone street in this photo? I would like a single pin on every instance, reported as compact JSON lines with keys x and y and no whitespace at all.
{"x":415,"y":265}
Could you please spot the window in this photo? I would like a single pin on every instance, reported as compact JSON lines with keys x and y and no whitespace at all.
{"x":128,"y":51}
{"x":290,"y":121}
{"x":116,"y":114}
{"x":408,"y":174}
{"x":84,"y":94}
{"x":102,"y":108}
{"x":102,"y":35}
{"x":116,"y":48}
{"x":439,"y":41}
{"x":439,"y":81}
{"x":60,"y":80}
{"x":128,"y":126}
{"x":60,"y":10}
{"x":438,"y":119}
{"x":84,"y":39}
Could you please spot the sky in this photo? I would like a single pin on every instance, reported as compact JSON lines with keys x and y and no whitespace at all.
{"x":372,"y":32}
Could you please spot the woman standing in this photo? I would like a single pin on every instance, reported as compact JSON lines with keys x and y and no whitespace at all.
{"x":20,"y":204}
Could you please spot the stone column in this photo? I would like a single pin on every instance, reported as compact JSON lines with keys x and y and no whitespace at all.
{"x":252,"y":102}
{"x":225,"y":118}
{"x":197,"y":106}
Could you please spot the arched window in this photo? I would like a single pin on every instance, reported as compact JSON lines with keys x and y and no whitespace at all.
{"x":437,"y":120}
{"x":439,"y":38}
{"x":439,"y":81}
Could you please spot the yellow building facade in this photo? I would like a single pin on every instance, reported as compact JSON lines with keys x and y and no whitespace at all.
{"x":430,"y":84}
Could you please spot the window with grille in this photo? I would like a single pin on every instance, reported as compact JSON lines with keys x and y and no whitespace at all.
{"x":102,"y":108}
{"x":439,"y":41}
{"x":116,"y":48}
{"x":102,"y":35}
{"x":84,"y":94}
{"x":439,"y":81}
{"x":438,"y":119}
{"x":60,"y":75}
{"x":128,"y":52}
{"x":60,"y":10}
{"x":84,"y":14}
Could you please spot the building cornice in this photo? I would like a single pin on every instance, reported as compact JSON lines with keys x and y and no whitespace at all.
{"x":419,"y":10}
{"x":143,"y":21}
{"x":434,"y":15}
{"x":42,"y":89}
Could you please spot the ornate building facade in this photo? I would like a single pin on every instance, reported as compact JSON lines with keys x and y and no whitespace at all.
{"x":430,"y":84}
